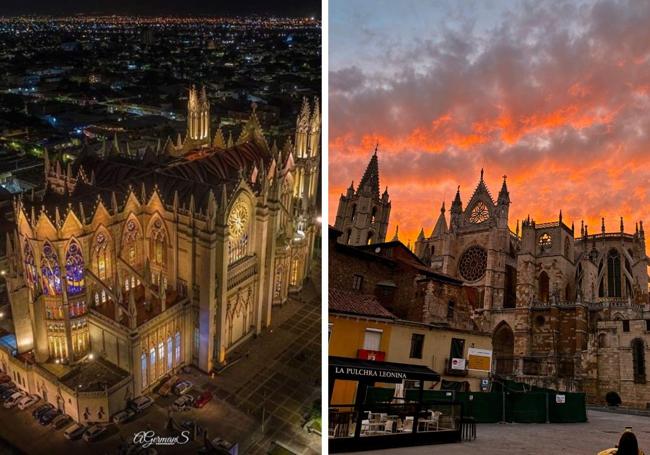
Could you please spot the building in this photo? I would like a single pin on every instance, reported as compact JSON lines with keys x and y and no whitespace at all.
{"x":132,"y":265}
{"x":386,"y":305}
{"x":548,"y":294}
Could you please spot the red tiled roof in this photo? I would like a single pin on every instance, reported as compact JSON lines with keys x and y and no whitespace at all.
{"x":353,"y":303}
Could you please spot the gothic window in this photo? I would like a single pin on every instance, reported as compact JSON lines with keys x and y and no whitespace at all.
{"x":101,"y":255}
{"x":543,"y":287}
{"x":74,"y":269}
{"x":50,"y":271}
{"x":479,"y":213}
{"x":613,"y":273}
{"x":238,"y":226}
{"x":177,"y":352}
{"x":170,"y":351}
{"x":143,"y":369}
{"x":473,"y":263}
{"x":30,"y":265}
{"x":545,"y":241}
{"x":158,"y":244}
{"x":277,"y":289}
{"x":161,"y":356}
{"x":638,"y":360}
{"x":354,"y":212}
{"x":152,"y":363}
{"x":130,"y":245}
{"x":295,"y":265}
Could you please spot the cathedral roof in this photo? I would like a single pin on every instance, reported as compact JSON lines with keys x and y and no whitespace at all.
{"x":370,"y":180}
{"x":481,"y":190}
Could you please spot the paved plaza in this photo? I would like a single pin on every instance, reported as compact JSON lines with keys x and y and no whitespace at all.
{"x":278,"y":377}
{"x":601,"y":432}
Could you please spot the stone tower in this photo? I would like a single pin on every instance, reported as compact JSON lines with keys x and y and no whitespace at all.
{"x":198,"y":116}
{"x":363,"y":214}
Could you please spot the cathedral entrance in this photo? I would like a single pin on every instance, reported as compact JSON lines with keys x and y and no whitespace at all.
{"x":503,"y":344}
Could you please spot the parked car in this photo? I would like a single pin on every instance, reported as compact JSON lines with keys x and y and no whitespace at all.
{"x":47,"y":418}
{"x":183,"y":402}
{"x":74,"y":431}
{"x":42,"y":409}
{"x":166,"y":388}
{"x":203,"y":399}
{"x":13,"y":400}
{"x":28,"y":401}
{"x":7,"y":385}
{"x":6,"y":394}
{"x":124,"y":416}
{"x":182,"y":387}
{"x":93,"y":432}
{"x":141,"y":403}
{"x":61,"y":421}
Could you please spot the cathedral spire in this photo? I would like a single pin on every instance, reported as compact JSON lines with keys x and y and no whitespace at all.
{"x":441,"y":225}
{"x":560,"y":217}
{"x":421,"y":235}
{"x":622,"y":225}
{"x":370,"y":180}
{"x":396,"y":236}
{"x":504,"y":195}
{"x":602,"y":225}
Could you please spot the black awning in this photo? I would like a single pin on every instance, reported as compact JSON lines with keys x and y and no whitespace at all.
{"x":358,"y":369}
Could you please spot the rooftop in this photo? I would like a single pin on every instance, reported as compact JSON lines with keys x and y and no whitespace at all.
{"x":94,"y":376}
{"x":359,"y":304}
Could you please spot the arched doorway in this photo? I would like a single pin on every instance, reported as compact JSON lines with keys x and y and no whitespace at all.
{"x":503,"y":344}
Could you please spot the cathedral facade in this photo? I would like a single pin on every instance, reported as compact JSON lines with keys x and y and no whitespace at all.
{"x":139,"y":264}
{"x":566,"y":309}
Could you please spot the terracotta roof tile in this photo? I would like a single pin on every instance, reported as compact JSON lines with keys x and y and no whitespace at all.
{"x":360,"y":304}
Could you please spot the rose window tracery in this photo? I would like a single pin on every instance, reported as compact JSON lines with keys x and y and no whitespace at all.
{"x":473,"y":263}
{"x":479,"y":213}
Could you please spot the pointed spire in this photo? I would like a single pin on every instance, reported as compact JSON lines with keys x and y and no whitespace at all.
{"x":517,"y":229}
{"x":230,"y":144}
{"x":602,"y":225}
{"x":441,"y":225}
{"x":421,"y":235}
{"x":622,"y":225}
{"x":143,"y":193}
{"x":560,"y":217}
{"x":396,"y":236}
{"x":370,"y":180}
{"x":572,"y":227}
{"x":582,"y":228}
{"x":179,"y":142}
{"x":641,"y":228}
{"x":457,"y":205}
{"x":636,"y":228}
{"x":504,"y":195}
{"x":219,"y":141}
{"x":113,"y":202}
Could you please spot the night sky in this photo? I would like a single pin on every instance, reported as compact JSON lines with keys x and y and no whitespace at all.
{"x":293,"y":8}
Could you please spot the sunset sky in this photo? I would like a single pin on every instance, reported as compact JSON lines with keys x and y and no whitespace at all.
{"x":555,"y":95}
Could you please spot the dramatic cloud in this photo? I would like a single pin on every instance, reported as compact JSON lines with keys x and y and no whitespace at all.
{"x":555,"y":95}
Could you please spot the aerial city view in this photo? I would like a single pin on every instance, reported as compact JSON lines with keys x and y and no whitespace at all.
{"x":488,"y":187}
{"x":160,"y":222}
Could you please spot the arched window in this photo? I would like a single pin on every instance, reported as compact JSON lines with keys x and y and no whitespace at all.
{"x":638,"y":360}
{"x":161,"y":357}
{"x":143,"y":369}
{"x":152,"y":363}
{"x":177,"y":348}
{"x":102,"y":257}
{"x":50,"y":271}
{"x":613,"y":273}
{"x":74,"y":268}
{"x":373,"y":215}
{"x":170,"y":353}
{"x":543,"y":285}
{"x":130,"y":242}
{"x":158,"y":244}
{"x":239,"y":222}
{"x":31,"y":274}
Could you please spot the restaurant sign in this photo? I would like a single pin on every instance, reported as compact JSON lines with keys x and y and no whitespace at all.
{"x":369,"y":373}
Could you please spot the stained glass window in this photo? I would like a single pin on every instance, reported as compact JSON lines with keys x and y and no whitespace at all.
{"x":74,"y":269}
{"x":130,"y":242}
{"x":177,"y":350}
{"x":30,"y":265}
{"x":102,"y":256}
{"x":158,"y":243}
{"x":152,"y":363}
{"x":479,"y":213}
{"x":170,"y":357}
{"x":143,"y":369}
{"x":545,"y":241}
{"x":50,"y":271}
{"x":473,"y":263}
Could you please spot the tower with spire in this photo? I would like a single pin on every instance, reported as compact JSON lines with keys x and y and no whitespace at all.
{"x":364,"y":212}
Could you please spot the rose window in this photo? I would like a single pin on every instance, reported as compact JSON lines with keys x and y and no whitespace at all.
{"x":479,"y":213}
{"x":473,"y":263}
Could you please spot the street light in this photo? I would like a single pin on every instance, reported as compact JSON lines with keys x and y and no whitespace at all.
{"x":91,"y":356}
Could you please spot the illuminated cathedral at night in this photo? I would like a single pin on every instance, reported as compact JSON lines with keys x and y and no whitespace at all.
{"x":133,"y":265}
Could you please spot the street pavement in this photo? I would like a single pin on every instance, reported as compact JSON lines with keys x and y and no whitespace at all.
{"x":602,"y":431}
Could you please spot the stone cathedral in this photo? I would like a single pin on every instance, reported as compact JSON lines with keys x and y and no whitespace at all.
{"x":566,"y":309}
{"x":132,"y":265}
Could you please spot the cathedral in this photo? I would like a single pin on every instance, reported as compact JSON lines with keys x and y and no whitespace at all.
{"x":134,"y":264}
{"x":566,"y":309}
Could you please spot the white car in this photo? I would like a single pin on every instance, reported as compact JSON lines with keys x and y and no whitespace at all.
{"x":13,"y":400}
{"x":27,"y":401}
{"x":141,"y":403}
